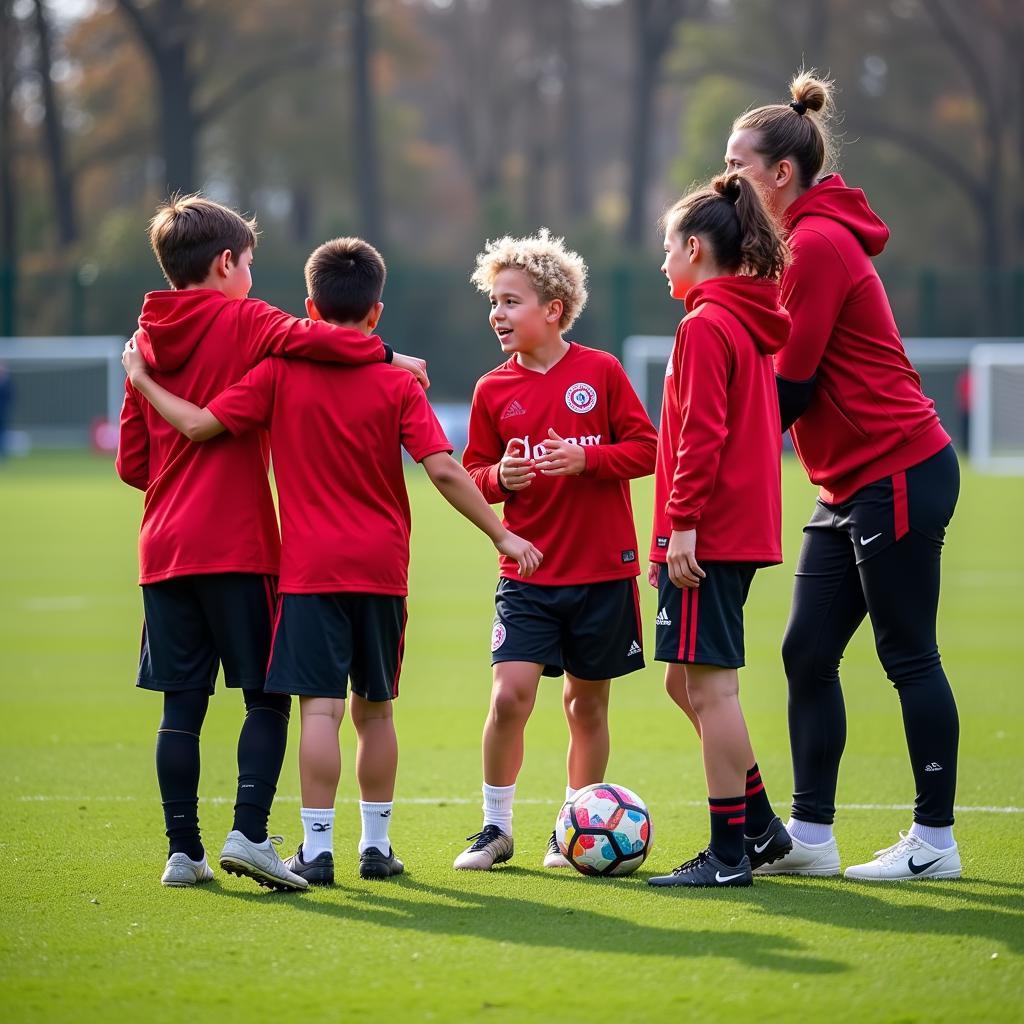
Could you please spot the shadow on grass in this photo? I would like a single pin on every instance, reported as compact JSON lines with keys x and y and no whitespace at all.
{"x":439,"y":910}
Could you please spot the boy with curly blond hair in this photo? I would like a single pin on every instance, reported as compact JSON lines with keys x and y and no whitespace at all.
{"x":555,"y":433}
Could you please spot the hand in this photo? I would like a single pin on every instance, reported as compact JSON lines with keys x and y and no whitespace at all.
{"x":653,"y":572}
{"x":561,"y":458}
{"x":528,"y":557}
{"x":683,"y":569}
{"x":132,"y":361}
{"x":417,"y":367}
{"x":515,"y":471}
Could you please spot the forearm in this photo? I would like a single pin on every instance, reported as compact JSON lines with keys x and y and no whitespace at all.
{"x":624,"y":460}
{"x":195,"y":423}
{"x":463,"y":495}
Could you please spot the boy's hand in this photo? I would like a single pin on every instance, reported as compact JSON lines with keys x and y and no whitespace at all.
{"x":528,"y":557}
{"x":132,"y":361}
{"x":561,"y":458}
{"x":653,"y":572}
{"x":515,"y":471}
{"x":683,"y":569}
{"x":417,"y":367}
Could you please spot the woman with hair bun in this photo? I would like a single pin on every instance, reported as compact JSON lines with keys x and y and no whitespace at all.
{"x":718,"y":501}
{"x":889,"y":481}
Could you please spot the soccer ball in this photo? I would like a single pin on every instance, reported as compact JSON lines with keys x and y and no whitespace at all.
{"x":604,"y":830}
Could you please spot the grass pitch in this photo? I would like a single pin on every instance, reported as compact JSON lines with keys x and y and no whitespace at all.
{"x":88,"y":932}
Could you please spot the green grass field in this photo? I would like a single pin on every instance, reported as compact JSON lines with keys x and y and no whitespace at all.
{"x":88,"y":933}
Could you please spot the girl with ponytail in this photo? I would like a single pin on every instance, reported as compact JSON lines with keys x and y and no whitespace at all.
{"x":718,"y":500}
{"x":889,"y":480}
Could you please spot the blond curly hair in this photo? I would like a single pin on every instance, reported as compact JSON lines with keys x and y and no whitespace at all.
{"x":555,"y":272}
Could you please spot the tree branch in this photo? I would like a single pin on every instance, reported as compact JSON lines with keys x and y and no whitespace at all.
{"x":146,"y":32}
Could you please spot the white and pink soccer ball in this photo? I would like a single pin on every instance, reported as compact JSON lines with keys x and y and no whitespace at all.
{"x":604,"y":830}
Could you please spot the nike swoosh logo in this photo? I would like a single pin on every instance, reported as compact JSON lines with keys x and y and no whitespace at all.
{"x":868,"y":540}
{"x":763,"y":846}
{"x":719,"y":877}
{"x":918,"y":868}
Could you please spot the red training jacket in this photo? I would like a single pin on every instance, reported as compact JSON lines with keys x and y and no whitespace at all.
{"x":583,"y":524}
{"x":868,"y":418}
{"x":719,"y":446}
{"x":208,"y":507}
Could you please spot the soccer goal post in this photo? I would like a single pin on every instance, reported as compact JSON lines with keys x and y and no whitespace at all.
{"x":997,"y":408}
{"x":62,"y":387}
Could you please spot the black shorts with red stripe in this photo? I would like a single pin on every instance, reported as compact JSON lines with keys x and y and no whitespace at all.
{"x":590,"y":630}
{"x":703,"y":625}
{"x":195,"y":624}
{"x":324,"y":642}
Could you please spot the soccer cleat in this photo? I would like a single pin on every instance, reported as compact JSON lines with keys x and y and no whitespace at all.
{"x":771,"y":845}
{"x":182,"y":871}
{"x":260,"y":862}
{"x":318,"y":871}
{"x":554,"y":858}
{"x":819,"y":860}
{"x":906,"y":860}
{"x":706,"y":871}
{"x":490,"y":846}
{"x":374,"y":864}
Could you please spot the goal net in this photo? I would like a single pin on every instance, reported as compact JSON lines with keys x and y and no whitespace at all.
{"x":997,"y":408}
{"x":63,"y":389}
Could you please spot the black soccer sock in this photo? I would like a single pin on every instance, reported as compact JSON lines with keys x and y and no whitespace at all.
{"x":759,"y":808}
{"x":728,"y":815}
{"x":261,"y":747}
{"x":177,"y":769}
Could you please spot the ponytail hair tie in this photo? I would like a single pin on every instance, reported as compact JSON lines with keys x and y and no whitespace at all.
{"x":799,"y":107}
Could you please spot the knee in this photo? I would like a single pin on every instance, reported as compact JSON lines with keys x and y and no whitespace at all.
{"x":509,"y":705}
{"x":910,"y":668}
{"x":703,"y":694}
{"x":586,"y":710}
{"x":803,"y":663}
{"x":281,"y":703}
{"x":366,"y":712}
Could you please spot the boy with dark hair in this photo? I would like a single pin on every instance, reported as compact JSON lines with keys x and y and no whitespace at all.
{"x":209,"y":544}
{"x":337,"y":438}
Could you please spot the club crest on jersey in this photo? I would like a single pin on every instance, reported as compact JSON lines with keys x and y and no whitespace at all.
{"x":497,"y":635}
{"x":581,"y":398}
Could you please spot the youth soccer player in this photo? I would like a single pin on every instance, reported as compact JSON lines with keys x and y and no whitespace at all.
{"x":556,"y":433}
{"x":718,"y":501}
{"x":337,"y":436}
{"x":209,"y":544}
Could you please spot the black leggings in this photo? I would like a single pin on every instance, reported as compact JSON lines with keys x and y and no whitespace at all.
{"x":897,"y":587}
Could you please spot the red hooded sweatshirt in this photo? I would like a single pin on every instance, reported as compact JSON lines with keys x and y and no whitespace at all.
{"x":208,"y":507}
{"x":868,"y":418}
{"x":719,"y":447}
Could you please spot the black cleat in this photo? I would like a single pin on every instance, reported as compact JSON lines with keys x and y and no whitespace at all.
{"x":318,"y":871}
{"x":771,"y":845}
{"x":374,"y":864}
{"x":707,"y":871}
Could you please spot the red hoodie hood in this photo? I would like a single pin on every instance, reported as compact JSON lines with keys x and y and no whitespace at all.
{"x":174,"y":322}
{"x":753,"y":301}
{"x":832,"y":198}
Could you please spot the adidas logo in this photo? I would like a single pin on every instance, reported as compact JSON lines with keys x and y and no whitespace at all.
{"x":514,"y":408}
{"x":662,"y":619}
{"x":933,"y":767}
{"x":634,"y":648}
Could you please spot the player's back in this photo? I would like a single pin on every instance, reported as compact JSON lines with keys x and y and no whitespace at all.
{"x":337,"y":437}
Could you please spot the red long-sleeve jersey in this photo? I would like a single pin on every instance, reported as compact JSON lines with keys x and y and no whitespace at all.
{"x":583,"y":524}
{"x":208,"y":507}
{"x":719,"y":446}
{"x":868,"y":417}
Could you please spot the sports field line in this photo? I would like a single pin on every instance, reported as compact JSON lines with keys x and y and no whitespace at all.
{"x":440,"y":801}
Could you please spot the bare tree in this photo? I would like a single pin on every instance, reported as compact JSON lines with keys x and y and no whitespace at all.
{"x":574,"y":157}
{"x":8,"y":181}
{"x":364,"y":147}
{"x":61,"y":180}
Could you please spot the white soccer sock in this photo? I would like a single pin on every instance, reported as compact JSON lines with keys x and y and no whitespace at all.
{"x":809,"y":832}
{"x":376,"y":819}
{"x":940,"y":838}
{"x":570,"y":793}
{"x":498,"y":806}
{"x":318,"y":831}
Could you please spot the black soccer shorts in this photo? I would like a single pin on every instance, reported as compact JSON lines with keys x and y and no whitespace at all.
{"x":324,"y":641}
{"x":195,"y":624}
{"x":703,"y":625}
{"x":591,"y":630}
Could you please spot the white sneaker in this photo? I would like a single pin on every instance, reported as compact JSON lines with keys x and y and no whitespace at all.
{"x":259,"y":861}
{"x":820,"y":860}
{"x":906,"y":860}
{"x":490,"y":846}
{"x":182,"y":871}
{"x":553,"y":857}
